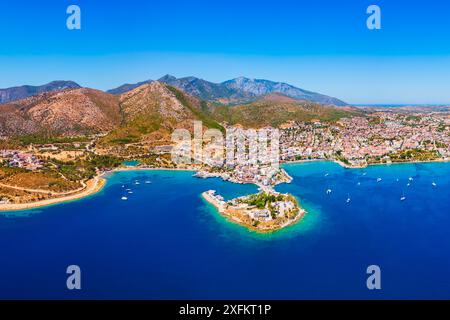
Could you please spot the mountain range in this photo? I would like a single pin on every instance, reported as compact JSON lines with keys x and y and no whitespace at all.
{"x":17,"y":93}
{"x":236,"y":91}
{"x":151,"y":110}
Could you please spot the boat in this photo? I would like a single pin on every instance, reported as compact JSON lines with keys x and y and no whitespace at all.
{"x":124,"y":198}
{"x":403,"y":198}
{"x":434,"y":184}
{"x":329,"y":191}
{"x":148,"y":182}
{"x":410,"y":179}
{"x":137,"y":182}
{"x":359,"y":183}
{"x":379,"y":180}
{"x":130,"y":192}
{"x":408,"y":185}
{"x":348,"y":199}
{"x":327,"y":174}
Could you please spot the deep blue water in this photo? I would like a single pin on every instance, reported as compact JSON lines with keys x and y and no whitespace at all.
{"x":166,"y":242}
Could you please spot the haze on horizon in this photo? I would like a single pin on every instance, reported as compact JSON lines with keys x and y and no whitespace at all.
{"x":323,"y":47}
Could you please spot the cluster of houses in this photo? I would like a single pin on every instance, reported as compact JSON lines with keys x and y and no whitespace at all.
{"x":12,"y":158}
{"x":359,"y":138}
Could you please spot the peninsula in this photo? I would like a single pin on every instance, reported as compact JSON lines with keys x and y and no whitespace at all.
{"x":263,"y":212}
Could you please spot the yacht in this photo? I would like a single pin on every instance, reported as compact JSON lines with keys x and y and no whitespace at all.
{"x":329,"y":191}
{"x":379,"y":180}
{"x":124,"y":198}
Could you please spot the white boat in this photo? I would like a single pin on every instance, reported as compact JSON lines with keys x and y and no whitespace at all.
{"x":130,"y":192}
{"x":148,"y":182}
{"x":403,"y":198}
{"x":410,"y":179}
{"x":408,"y":185}
{"x":379,"y":180}
{"x":326,"y":174}
{"x":434,"y":184}
{"x":137,"y":182}
{"x":365,"y":173}
{"x":329,"y":191}
{"x":359,"y":183}
{"x":124,"y":198}
{"x":348,"y":199}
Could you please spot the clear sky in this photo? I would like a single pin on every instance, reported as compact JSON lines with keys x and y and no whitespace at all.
{"x":319,"y":45}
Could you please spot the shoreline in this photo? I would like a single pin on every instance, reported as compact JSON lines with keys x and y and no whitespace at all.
{"x":221,"y":210}
{"x":96,"y":184}
{"x":93,"y":186}
{"x":367,"y":166}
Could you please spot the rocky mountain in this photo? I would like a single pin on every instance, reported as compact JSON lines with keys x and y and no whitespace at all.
{"x":153,"y":110}
{"x":67,"y":112}
{"x":257,"y":88}
{"x":127,"y":87}
{"x":276,"y":109}
{"x":22,"y":92}
{"x":237,"y":91}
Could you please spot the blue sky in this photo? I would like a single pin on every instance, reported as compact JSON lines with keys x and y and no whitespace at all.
{"x":320,"y":45}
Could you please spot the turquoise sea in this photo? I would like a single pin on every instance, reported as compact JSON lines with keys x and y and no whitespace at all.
{"x":166,"y":242}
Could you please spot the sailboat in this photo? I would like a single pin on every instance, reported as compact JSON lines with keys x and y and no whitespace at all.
{"x":403,"y":197}
{"x":348,"y":199}
{"x":329,"y":191}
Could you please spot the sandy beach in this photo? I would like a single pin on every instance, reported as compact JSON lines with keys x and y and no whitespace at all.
{"x":92,"y":186}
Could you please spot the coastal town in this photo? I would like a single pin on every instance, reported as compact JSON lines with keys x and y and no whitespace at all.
{"x":379,"y":138}
{"x":39,"y":173}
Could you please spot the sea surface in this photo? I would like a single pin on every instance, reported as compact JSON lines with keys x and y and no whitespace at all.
{"x":166,"y":242}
